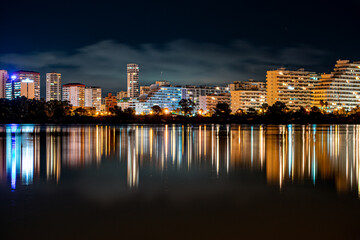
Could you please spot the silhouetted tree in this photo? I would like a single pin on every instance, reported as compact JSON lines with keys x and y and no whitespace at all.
{"x":222,"y":109}
{"x":57,"y":110}
{"x":301,"y":111}
{"x":129,"y":111}
{"x":341,"y":112}
{"x":156,"y":109}
{"x":315,"y":109}
{"x":251,"y":111}
{"x":278,"y":108}
{"x":116,"y":111}
{"x":264,"y":107}
{"x":80,"y":111}
{"x":187,"y":106}
{"x":240,"y":112}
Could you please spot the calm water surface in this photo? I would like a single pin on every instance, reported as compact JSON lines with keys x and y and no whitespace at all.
{"x":180,"y":181}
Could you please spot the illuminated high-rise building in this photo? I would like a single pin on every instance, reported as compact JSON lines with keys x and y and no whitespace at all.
{"x":3,"y":78}
{"x":208,"y":103}
{"x":164,"y":97}
{"x":133,"y":80}
{"x":93,"y":97}
{"x":53,"y":86}
{"x":247,"y":95}
{"x":194,"y":92}
{"x":74,"y":93}
{"x":27,"y":88}
{"x":34,"y":76}
{"x":294,"y":88}
{"x":12,"y":88}
{"x":341,"y":88}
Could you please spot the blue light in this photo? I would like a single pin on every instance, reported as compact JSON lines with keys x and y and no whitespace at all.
{"x":13,"y":77}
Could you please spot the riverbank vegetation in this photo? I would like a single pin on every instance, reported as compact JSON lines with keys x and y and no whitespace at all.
{"x":22,"y":110}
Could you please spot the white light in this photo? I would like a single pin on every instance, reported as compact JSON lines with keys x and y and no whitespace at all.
{"x":27,"y":80}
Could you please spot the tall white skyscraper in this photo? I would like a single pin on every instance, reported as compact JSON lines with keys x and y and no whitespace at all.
{"x":133,"y":80}
{"x":74,"y":93}
{"x":3,"y":78}
{"x":53,"y":86}
{"x":30,"y":75}
{"x":93,"y":97}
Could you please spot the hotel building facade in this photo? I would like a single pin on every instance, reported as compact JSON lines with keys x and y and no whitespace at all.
{"x":12,"y":88}
{"x":133,"y":80}
{"x":294,"y":88}
{"x":247,"y":95}
{"x":208,"y":103}
{"x":74,"y":93}
{"x":93,"y":97}
{"x":164,"y":97}
{"x":194,"y":92}
{"x":27,"y":88}
{"x":53,"y":86}
{"x":341,"y":88}
{"x":30,"y":75}
{"x":15,"y":87}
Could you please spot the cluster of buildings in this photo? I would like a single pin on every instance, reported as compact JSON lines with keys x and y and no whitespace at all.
{"x":296,"y":88}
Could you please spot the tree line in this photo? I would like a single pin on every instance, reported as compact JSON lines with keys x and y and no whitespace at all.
{"x":23,"y":110}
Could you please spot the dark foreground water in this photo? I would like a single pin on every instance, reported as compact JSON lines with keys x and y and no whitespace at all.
{"x":180,"y":182}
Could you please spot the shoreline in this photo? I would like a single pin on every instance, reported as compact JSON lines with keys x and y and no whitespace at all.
{"x":150,"y":120}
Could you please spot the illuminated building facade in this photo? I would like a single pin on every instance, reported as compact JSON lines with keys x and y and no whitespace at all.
{"x":110,"y":102}
{"x":208,"y":103}
{"x":12,"y":88}
{"x":247,"y":95}
{"x":133,"y":80}
{"x":74,"y":93}
{"x":246,"y":85}
{"x":4,"y":76}
{"x":122,"y":94}
{"x":34,"y":76}
{"x":93,"y":97}
{"x":144,"y":90}
{"x":123,"y":103}
{"x":164,"y":97}
{"x":194,"y":92}
{"x":27,"y":88}
{"x":162,"y":83}
{"x":53,"y":86}
{"x":341,"y":88}
{"x":294,"y":88}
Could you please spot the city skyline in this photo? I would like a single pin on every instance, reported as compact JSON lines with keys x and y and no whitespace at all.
{"x":214,"y":43}
{"x":179,"y":119}
{"x":147,"y":82}
{"x":295,"y":88}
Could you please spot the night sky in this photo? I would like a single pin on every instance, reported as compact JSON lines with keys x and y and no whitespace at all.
{"x":192,"y":42}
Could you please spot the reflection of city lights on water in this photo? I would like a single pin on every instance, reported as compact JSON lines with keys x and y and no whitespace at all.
{"x":284,"y":154}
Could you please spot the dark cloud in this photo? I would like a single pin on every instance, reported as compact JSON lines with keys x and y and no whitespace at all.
{"x":182,"y":61}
